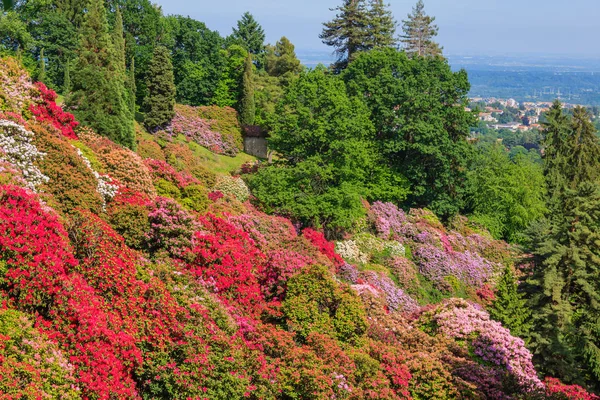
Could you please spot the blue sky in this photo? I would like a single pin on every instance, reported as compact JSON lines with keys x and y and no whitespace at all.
{"x":485,"y":27}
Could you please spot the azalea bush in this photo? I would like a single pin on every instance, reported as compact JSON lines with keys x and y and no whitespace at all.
{"x":48,"y":111}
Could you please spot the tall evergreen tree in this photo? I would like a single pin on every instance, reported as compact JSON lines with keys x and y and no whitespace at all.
{"x":41,"y":76}
{"x":249,"y":34}
{"x":419,"y":31}
{"x":67,"y":78}
{"x":160,"y":103}
{"x":282,"y":59}
{"x":247,"y":104}
{"x":99,"y":97}
{"x":347,"y":33}
{"x":382,"y":25}
{"x":566,"y":293}
{"x":510,"y":307}
{"x":131,"y":87}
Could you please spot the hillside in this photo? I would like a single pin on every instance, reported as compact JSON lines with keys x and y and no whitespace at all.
{"x":152,"y":275}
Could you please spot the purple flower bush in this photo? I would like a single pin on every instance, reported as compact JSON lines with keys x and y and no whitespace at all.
{"x":389,"y":220}
{"x":396,"y":298}
{"x":487,"y":339}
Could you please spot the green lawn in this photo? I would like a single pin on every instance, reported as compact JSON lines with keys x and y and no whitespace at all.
{"x":218,"y":163}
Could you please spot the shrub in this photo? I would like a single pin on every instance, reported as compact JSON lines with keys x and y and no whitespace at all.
{"x":388,"y":219}
{"x":31,"y":366}
{"x":557,"y":389}
{"x":17,"y":92}
{"x":316,"y":303}
{"x":128,"y":215}
{"x":18,"y":148}
{"x":233,"y":186}
{"x":171,"y":227}
{"x":72,"y":183}
{"x":150,"y":149}
{"x":47,"y":111}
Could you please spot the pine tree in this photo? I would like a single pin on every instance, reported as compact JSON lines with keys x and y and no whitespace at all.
{"x":509,"y":306}
{"x":99,"y":97}
{"x":67,"y":78}
{"x":382,"y":25}
{"x":160,"y":102}
{"x":566,"y":295}
{"x":347,"y":33}
{"x":419,"y":31}
{"x":282,"y":59}
{"x":249,"y":34}
{"x":247,"y":103}
{"x":41,"y":77}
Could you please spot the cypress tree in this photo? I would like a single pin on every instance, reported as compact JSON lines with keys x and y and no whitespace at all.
{"x":509,"y":306}
{"x":132,"y":88}
{"x":382,"y":25}
{"x":42,"y":67}
{"x":99,"y":97}
{"x":247,"y":104}
{"x":347,"y":32}
{"x":160,"y":102}
{"x":419,"y":31}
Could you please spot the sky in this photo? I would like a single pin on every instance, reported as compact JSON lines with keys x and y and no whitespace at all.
{"x":467,"y":27}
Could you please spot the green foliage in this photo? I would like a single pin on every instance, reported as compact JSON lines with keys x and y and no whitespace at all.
{"x":249,"y":34}
{"x":316,"y":303}
{"x":418,"y":109}
{"x":281,"y":59}
{"x":195,"y":198}
{"x":13,"y":33}
{"x":419,"y":32}
{"x":329,"y":157}
{"x":506,"y":195}
{"x":509,"y":306}
{"x":99,"y":97}
{"x":566,"y":282}
{"x":160,"y":103}
{"x":228,"y":91}
{"x":247,"y":108}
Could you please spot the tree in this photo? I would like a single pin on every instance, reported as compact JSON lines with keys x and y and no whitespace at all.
{"x":566,"y":282}
{"x":329,"y":160}
{"x":418,"y":109}
{"x":506,"y":195}
{"x":347,"y":32}
{"x":229,"y":90}
{"x":41,"y":75}
{"x":249,"y":34}
{"x":14,"y":35}
{"x":419,"y":31}
{"x":99,"y":97}
{"x":67,"y":79}
{"x":382,"y":26}
{"x":510,"y":306}
{"x":247,"y":104}
{"x":132,"y":87}
{"x":160,"y":103}
{"x":281,"y":59}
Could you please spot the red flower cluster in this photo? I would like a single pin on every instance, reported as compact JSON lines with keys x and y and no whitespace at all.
{"x":49,"y":111}
{"x":570,"y":392}
{"x":326,"y":247}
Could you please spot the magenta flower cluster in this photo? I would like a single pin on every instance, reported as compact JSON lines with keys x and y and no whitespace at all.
{"x":489,"y":339}
{"x":389,"y":220}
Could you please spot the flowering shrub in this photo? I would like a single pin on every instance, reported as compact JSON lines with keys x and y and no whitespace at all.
{"x":150,"y":149}
{"x":105,"y":188}
{"x":16,"y":90}
{"x":233,"y":186}
{"x":218,"y":135}
{"x":18,"y":149}
{"x":488,"y":339}
{"x":128,"y":215}
{"x":349,"y":250}
{"x":72,"y":183}
{"x":171,"y":227}
{"x":162,"y":170}
{"x":48,"y":111}
{"x":120,"y":163}
{"x":396,"y":299}
{"x":389,"y":220}
{"x":325,"y":247}
{"x":31,"y":366}
{"x":570,"y":392}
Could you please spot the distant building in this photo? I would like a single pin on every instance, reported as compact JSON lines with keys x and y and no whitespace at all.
{"x":512,"y":103}
{"x":487,"y":117}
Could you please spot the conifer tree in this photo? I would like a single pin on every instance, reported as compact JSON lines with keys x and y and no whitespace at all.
{"x":160,"y":102}
{"x":382,"y":25}
{"x":282,"y":59}
{"x":131,"y":87}
{"x":247,"y":103}
{"x":419,"y":30}
{"x":249,"y":34}
{"x":509,"y":306}
{"x":566,"y":295}
{"x":67,"y":78}
{"x":99,"y":97}
{"x":347,"y":33}
{"x":42,"y":67}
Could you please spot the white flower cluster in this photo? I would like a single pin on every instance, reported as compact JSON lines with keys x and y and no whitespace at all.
{"x":395,"y":249}
{"x":16,"y":148}
{"x":105,"y":188}
{"x":349,"y":250}
{"x":229,"y":185}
